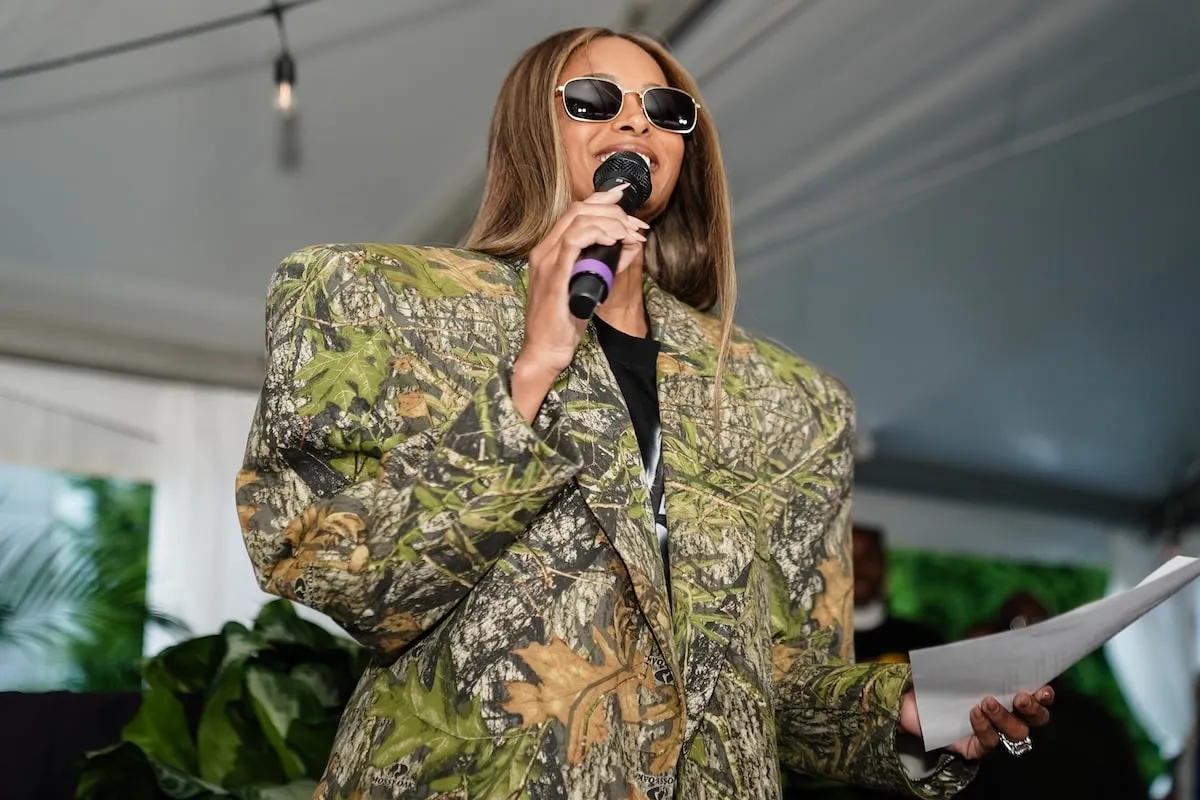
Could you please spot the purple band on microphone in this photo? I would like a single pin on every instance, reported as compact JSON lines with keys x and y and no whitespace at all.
{"x":596,"y":266}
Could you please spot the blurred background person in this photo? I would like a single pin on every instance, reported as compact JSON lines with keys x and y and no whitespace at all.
{"x":879,"y":635}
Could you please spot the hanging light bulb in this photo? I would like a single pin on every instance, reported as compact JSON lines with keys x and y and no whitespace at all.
{"x":285,"y":83}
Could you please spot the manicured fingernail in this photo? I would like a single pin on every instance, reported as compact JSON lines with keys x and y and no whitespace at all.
{"x":992,"y":705}
{"x":977,"y":712}
{"x":639,"y":223}
{"x":1022,"y":702}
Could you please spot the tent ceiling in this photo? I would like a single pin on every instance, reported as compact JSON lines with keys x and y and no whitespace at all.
{"x":983,"y":217}
{"x":979,"y":215}
{"x":143,"y":206}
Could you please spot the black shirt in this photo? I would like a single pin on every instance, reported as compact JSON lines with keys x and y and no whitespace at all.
{"x":633,"y":362}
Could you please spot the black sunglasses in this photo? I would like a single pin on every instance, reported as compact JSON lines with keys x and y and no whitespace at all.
{"x":601,"y":100}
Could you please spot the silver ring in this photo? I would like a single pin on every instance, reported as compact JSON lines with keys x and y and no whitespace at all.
{"x":1018,"y":748}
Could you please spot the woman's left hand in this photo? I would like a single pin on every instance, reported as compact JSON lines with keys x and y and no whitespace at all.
{"x":989,"y":719}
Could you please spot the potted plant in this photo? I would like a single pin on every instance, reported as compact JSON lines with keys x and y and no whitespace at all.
{"x":248,"y":713}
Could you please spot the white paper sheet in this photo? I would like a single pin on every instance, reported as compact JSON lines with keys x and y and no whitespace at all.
{"x":952,"y":679}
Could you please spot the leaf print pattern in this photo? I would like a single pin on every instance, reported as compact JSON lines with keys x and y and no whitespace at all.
{"x":338,"y":377}
{"x":457,"y":751}
{"x":573,"y":691}
{"x":508,"y":574}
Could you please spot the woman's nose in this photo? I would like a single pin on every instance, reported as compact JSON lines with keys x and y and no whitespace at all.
{"x":632,"y":118}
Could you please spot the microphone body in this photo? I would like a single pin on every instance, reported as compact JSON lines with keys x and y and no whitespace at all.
{"x":593,"y":273}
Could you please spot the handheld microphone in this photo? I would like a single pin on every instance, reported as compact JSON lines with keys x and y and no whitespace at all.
{"x":592,"y":276}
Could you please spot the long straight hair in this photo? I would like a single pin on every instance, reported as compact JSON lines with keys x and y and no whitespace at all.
{"x":689,"y":252}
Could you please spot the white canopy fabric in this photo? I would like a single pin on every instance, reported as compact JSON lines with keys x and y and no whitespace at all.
{"x":980,"y":215}
{"x":143,"y":202}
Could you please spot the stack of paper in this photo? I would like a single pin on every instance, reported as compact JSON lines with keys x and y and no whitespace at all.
{"x":952,"y":679}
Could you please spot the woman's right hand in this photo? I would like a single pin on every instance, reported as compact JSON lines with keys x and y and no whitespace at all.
{"x":552,"y":332}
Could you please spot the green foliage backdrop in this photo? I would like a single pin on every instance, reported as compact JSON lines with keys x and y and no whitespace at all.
{"x":952,"y":592}
{"x":73,"y":594}
{"x":107,"y":649}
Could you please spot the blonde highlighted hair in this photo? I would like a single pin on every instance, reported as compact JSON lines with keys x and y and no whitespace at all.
{"x":690,"y":250}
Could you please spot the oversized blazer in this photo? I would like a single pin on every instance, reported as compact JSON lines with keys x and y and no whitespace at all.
{"x":507,"y":574}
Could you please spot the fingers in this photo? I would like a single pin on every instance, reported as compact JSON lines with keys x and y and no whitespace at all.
{"x":609,"y":199}
{"x":1035,"y":709}
{"x":990,"y":719}
{"x":593,"y":212}
{"x":588,"y":230}
{"x":577,"y":231}
{"x":984,"y":731}
{"x":1004,"y":721}
{"x":600,"y":204}
{"x":1030,"y":710}
{"x":608,"y":196}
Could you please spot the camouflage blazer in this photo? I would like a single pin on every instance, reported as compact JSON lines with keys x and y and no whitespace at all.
{"x":508,"y":574}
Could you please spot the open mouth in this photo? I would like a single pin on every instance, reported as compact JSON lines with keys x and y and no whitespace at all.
{"x":650,"y":162}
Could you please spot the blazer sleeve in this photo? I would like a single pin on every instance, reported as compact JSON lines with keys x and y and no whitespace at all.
{"x":387,"y":467}
{"x":836,"y":719}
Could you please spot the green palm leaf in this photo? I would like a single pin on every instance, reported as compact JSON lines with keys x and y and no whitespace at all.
{"x":39,"y":581}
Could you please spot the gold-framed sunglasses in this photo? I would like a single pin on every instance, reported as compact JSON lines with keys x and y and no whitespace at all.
{"x":601,"y":100}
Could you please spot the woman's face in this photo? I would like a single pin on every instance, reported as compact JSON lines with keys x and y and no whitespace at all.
{"x":587,"y":143}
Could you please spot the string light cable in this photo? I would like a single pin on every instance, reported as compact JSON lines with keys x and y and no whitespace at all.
{"x":285,"y":64}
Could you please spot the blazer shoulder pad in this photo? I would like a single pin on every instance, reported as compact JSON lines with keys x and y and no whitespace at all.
{"x":431,"y":272}
{"x":821,"y":388}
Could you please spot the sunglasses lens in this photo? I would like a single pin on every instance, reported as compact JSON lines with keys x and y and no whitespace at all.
{"x":592,"y":100}
{"x":670,"y":109}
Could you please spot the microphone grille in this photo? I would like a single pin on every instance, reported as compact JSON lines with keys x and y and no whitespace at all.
{"x":629,"y":167}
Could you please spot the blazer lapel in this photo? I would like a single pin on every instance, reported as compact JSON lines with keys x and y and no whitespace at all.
{"x":613,"y":486}
{"x":711,"y":516}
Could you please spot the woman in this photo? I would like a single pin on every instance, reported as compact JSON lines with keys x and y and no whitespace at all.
{"x":461,"y":473}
